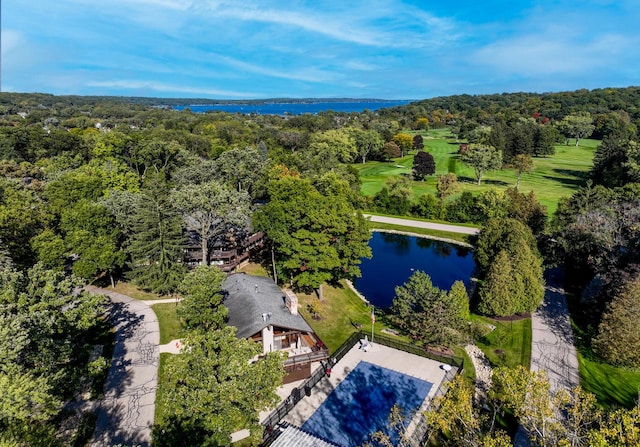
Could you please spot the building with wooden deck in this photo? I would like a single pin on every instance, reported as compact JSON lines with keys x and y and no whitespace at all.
{"x":228,"y":252}
{"x":261,"y":311}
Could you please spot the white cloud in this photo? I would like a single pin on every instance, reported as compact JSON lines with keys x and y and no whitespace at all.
{"x":10,"y":41}
{"x":168,"y":88}
{"x":383,"y":24}
{"x":534,"y":55}
{"x":309,"y":74}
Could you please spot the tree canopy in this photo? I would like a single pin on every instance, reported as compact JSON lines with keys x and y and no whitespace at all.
{"x":482,"y":158}
{"x":423,"y":165}
{"x":428,"y":314}
{"x":316,"y":238}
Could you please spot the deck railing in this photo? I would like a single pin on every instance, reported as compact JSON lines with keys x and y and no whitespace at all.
{"x":308,"y":357}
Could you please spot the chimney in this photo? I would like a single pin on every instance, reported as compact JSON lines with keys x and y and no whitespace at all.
{"x":291,"y":301}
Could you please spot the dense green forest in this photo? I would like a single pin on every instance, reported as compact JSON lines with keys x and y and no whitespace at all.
{"x":101,"y":189}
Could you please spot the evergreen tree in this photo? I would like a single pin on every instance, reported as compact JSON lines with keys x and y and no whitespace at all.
{"x":529,"y":282}
{"x":156,"y":245}
{"x":425,"y":312}
{"x":459,"y":299}
{"x":496,"y":295}
{"x":618,"y":340}
{"x":611,"y":162}
{"x":502,"y":234}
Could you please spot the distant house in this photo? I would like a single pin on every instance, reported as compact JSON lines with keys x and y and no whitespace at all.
{"x":262,"y":312}
{"x":227,"y":252}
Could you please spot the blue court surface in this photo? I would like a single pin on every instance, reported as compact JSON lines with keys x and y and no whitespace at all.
{"x":360,"y":405}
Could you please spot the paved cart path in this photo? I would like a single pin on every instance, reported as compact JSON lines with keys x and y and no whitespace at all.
{"x":421,"y":224}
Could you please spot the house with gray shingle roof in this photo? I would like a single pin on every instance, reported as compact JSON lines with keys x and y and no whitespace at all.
{"x":262,"y":312}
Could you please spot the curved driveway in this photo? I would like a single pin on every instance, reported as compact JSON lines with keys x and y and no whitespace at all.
{"x":126,"y":411}
{"x":553,"y":347}
{"x":422,"y":224}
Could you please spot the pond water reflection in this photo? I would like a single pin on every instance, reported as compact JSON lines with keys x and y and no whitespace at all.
{"x":397,"y":256}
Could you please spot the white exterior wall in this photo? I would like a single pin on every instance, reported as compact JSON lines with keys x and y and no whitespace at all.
{"x":267,"y":339}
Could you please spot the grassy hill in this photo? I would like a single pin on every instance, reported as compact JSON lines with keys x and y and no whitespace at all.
{"x":553,"y":177}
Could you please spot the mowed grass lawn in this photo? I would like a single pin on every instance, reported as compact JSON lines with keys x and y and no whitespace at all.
{"x":509,"y":344}
{"x":552,"y":177}
{"x":168,"y":321}
{"x":338,"y":314}
{"x":129,"y":289}
{"x":612,"y":386}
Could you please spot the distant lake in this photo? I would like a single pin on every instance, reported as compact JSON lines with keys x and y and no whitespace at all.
{"x":294,"y":108}
{"x":397,"y":256}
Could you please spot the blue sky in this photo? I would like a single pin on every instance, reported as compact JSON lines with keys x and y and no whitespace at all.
{"x":388,"y":49}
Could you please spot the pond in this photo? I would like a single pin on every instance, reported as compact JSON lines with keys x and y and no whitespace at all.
{"x":397,"y":256}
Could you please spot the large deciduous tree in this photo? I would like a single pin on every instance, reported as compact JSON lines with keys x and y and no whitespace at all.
{"x":526,"y":209}
{"x":521,"y":163}
{"x":394,"y":197}
{"x":482,"y":158}
{"x":418,"y":142}
{"x":334,"y":143}
{"x":454,"y":420}
{"x":45,"y":324}
{"x":23,"y":215}
{"x":201,"y":307}
{"x":215,"y":389}
{"x":576,"y":126}
{"x":155,"y":153}
{"x":315,"y":237}
{"x":423,"y":165}
{"x":390,"y":150}
{"x":90,"y":233}
{"x":404,"y":142}
{"x":367,"y":142}
{"x":210,"y":209}
{"x":240,"y":169}
{"x":603,"y":237}
{"x":447,"y":185}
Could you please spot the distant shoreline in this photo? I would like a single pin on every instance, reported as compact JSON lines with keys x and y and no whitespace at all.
{"x":289,"y":107}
